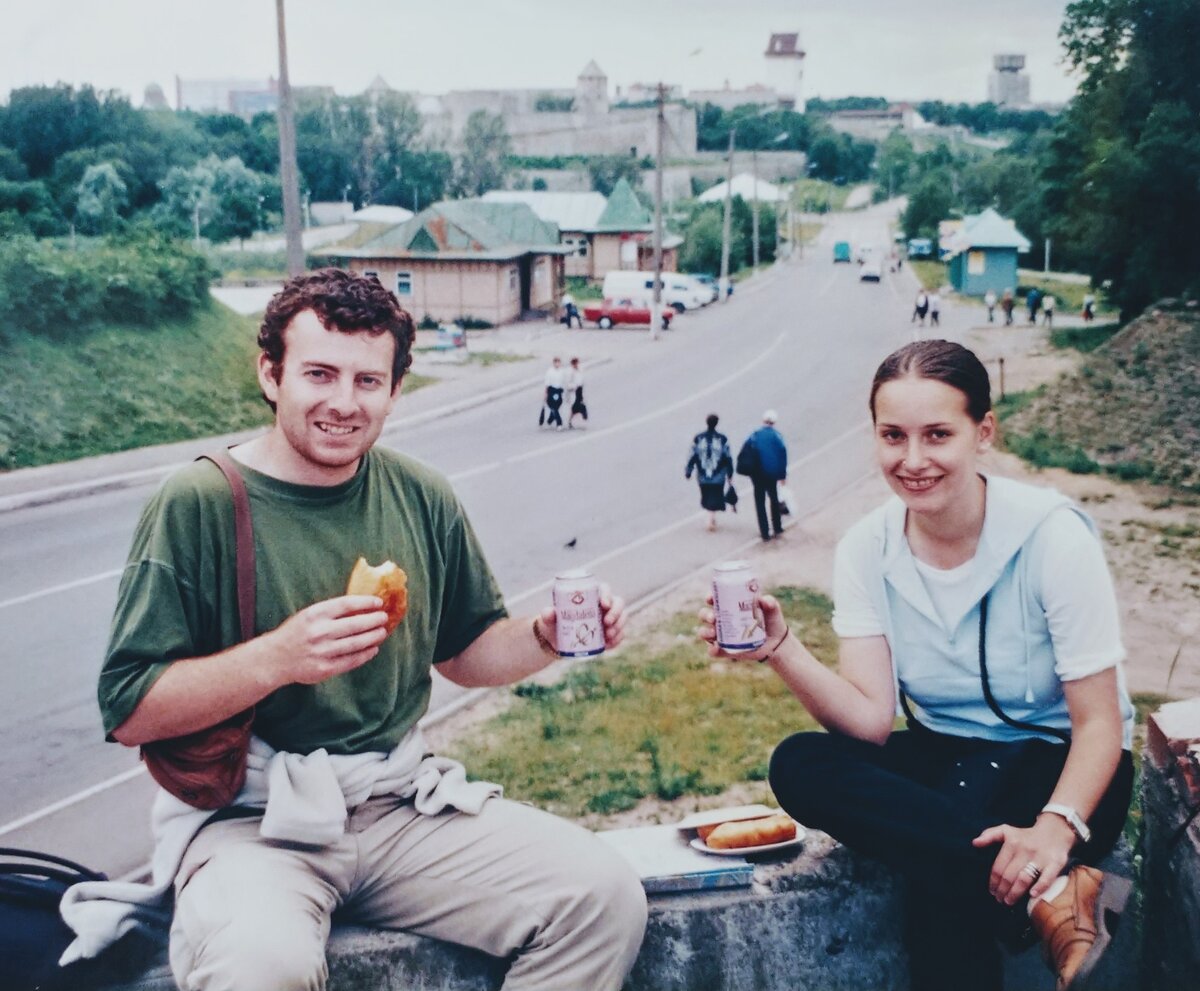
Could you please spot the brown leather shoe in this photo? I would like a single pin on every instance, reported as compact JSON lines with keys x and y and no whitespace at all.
{"x":1076,"y":927}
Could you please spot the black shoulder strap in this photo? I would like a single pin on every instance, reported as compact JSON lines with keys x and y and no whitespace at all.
{"x":988,"y":697}
{"x":244,"y":535}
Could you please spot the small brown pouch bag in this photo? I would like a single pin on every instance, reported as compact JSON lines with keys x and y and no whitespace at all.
{"x":207,"y":769}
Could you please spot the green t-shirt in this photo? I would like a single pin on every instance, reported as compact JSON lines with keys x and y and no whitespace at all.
{"x":178,"y":594}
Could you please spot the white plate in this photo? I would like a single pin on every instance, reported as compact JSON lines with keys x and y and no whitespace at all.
{"x":714,"y":817}
{"x":699,"y":844}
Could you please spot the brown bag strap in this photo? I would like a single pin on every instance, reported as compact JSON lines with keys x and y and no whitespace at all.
{"x":244,"y":535}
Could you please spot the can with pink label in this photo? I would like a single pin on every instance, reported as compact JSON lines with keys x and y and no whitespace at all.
{"x":739,"y":625}
{"x":579,"y":626}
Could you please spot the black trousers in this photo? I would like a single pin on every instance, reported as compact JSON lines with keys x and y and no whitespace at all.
{"x":916,"y":803}
{"x":766,"y":489}
{"x":554,"y":400}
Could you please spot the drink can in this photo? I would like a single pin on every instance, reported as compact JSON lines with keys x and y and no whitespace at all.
{"x":735,"y":589}
{"x":579,"y":627}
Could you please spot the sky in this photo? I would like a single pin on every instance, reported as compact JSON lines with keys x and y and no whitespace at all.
{"x":899,"y":49}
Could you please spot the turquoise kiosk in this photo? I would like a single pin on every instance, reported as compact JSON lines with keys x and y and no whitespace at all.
{"x":983,"y":254}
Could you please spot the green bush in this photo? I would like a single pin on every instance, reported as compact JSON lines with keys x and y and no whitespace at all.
{"x":55,"y":290}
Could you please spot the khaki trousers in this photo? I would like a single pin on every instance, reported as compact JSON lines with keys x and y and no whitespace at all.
{"x":254,"y":914}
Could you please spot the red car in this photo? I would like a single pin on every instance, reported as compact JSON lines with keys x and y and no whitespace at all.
{"x":614,"y":311}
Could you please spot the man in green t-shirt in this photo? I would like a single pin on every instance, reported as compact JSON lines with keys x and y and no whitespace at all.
{"x":332,"y":688}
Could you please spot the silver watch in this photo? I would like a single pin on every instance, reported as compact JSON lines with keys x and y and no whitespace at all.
{"x":1073,"y":820}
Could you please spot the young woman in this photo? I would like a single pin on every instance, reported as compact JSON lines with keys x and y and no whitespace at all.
{"x":985,"y":608}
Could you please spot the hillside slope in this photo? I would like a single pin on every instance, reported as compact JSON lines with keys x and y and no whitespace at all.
{"x":1133,"y":408}
{"x":120,"y":388}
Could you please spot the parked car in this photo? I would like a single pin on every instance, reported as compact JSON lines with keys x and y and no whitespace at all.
{"x":714,"y":287}
{"x":678,"y":291}
{"x":609,"y":312}
{"x":871,"y":270}
{"x":841,"y":252}
{"x":920,"y":247}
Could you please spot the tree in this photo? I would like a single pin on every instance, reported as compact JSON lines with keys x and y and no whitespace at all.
{"x":100,"y":198}
{"x":928,"y":205}
{"x":237,"y":197}
{"x":483,"y":163}
{"x":607,"y":170}
{"x":1120,"y":171}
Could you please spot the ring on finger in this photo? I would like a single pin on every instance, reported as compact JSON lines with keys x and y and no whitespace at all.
{"x":1032,"y":870}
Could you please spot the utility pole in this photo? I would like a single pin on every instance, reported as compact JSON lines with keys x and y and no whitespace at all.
{"x":723,"y":284}
{"x":754,"y":210}
{"x":656,"y":309}
{"x":288,"y":172}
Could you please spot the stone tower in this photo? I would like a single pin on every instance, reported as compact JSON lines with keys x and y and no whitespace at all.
{"x":785,"y":69}
{"x":591,"y":91}
{"x":1008,"y":86}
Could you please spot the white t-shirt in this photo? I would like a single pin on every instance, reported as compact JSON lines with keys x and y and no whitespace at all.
{"x":554,"y":377}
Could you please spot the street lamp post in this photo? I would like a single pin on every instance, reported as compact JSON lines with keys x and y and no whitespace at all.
{"x":656,"y":309}
{"x":288,"y":170}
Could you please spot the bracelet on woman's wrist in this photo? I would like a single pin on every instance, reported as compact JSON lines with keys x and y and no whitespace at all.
{"x":775,"y":650}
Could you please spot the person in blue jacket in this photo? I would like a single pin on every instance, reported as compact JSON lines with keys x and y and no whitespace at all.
{"x":984,"y":607}
{"x":764,"y":459}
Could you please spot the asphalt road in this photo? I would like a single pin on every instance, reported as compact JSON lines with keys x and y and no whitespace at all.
{"x":803,"y":338}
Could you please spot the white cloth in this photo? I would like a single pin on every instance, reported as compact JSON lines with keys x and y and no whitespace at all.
{"x":573,"y":380}
{"x":554,"y":377}
{"x":305,"y":800}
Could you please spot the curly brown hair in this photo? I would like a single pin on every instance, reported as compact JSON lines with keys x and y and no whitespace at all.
{"x":343,"y":301}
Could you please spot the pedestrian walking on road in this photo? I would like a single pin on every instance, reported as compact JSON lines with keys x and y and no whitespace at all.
{"x":920,"y":307}
{"x":935,"y":308}
{"x":1033,"y":300}
{"x":1048,"y":309}
{"x":712,"y":461}
{"x":571,"y":311}
{"x":987,"y":603}
{"x":1089,"y":308}
{"x":552,"y":399}
{"x":1007,"y":303}
{"x":574,"y":387}
{"x":989,"y":300}
{"x":345,"y":809}
{"x":763,"y":459}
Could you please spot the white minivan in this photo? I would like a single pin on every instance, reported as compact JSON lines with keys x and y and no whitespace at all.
{"x":680,"y":292}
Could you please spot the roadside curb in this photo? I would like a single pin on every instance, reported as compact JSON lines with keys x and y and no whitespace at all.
{"x":122,"y":480}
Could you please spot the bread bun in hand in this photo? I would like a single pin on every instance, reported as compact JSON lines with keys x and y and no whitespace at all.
{"x":751,"y":832}
{"x":388,"y":582}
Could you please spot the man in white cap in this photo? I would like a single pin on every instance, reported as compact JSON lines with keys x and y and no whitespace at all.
{"x":764,"y":459}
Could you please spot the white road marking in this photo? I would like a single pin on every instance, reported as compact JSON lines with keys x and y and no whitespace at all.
{"x":70,"y":800}
{"x":66,"y":586}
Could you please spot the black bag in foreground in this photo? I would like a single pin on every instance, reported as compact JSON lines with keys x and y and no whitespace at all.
{"x":32,"y":934}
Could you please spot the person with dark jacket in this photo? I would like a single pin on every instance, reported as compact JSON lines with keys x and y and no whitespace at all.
{"x":711,"y":460}
{"x":764,"y":459}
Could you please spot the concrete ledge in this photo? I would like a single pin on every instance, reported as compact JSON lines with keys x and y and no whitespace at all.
{"x":822,"y":919}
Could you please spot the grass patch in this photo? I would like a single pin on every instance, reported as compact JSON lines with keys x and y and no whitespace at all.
{"x":663,"y":720}
{"x":1086,"y":338}
{"x":582,"y":289}
{"x":931,"y":274}
{"x":1068,"y":294}
{"x":488,"y":358}
{"x":818,"y":196}
{"x":121,"y":388}
{"x":1044,"y":450}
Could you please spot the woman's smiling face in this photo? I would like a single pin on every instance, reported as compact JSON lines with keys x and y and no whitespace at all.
{"x":927,"y":443}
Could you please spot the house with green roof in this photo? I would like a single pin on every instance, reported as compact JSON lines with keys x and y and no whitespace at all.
{"x":623,"y":237}
{"x":463,"y":258}
{"x":603,"y":234}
